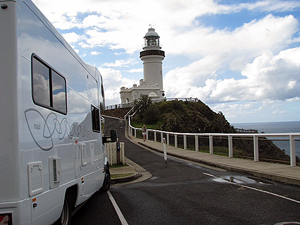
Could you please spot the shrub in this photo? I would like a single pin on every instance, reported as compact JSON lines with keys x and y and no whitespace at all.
{"x":151,"y":115}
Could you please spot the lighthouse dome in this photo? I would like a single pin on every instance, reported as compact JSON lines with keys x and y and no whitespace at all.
{"x":151,"y":33}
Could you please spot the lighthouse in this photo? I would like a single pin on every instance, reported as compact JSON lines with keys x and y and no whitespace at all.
{"x":152,"y":57}
{"x":152,"y":84}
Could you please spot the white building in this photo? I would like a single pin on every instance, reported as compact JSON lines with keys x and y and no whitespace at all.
{"x":152,"y":84}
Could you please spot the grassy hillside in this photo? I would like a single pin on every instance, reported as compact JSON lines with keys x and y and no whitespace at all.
{"x":183,"y":117}
{"x":197,"y":117}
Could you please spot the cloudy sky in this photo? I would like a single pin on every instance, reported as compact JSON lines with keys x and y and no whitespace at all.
{"x":240,"y":57}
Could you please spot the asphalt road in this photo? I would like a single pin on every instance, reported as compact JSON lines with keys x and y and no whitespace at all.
{"x":183,"y":193}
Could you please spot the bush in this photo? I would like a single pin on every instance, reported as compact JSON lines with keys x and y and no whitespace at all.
{"x":151,"y":115}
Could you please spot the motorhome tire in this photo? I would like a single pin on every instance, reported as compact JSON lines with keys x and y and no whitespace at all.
{"x":65,"y":217}
{"x":106,"y":184}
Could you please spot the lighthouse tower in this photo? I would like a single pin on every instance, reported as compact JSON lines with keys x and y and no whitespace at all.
{"x":152,"y":57}
{"x":152,"y":84}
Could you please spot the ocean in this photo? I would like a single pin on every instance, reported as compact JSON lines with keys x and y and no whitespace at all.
{"x":276,"y":127}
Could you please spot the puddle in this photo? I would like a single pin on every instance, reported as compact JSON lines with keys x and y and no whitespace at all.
{"x":287,"y":223}
{"x":241,"y":180}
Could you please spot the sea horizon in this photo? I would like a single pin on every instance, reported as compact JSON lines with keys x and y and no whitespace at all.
{"x":271,"y":127}
{"x":275,"y":127}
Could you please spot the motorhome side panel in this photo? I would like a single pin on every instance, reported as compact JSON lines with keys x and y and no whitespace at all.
{"x":50,"y":141}
{"x":11,"y":199}
{"x":56,"y":130}
{"x":9,"y":164}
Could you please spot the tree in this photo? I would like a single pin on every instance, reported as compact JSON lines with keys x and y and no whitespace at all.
{"x":142,"y":105}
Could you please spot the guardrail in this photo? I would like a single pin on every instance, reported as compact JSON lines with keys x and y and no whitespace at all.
{"x":131,"y":104}
{"x":118,"y":106}
{"x":290,"y":136}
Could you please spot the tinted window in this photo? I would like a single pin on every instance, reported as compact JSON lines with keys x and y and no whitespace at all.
{"x":59,"y":92}
{"x":95,"y":119}
{"x":41,"y":84}
{"x":48,"y":86}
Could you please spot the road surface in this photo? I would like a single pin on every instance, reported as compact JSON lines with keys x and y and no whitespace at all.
{"x":181,"y":192}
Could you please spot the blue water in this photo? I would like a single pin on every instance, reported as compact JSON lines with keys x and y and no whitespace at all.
{"x":276,"y":127}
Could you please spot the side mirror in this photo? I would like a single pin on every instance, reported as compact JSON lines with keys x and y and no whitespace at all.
{"x":113,"y":135}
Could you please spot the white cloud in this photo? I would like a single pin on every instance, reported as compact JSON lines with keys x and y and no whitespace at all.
{"x":135,"y":70}
{"x":267,"y":77}
{"x":121,"y":63}
{"x":253,"y":62}
{"x":120,"y":24}
{"x":95,"y":53}
{"x":72,"y":37}
{"x":246,"y":111}
{"x":113,"y":81}
{"x":279,"y":112}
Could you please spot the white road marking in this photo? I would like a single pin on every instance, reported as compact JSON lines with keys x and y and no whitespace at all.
{"x":267,"y":192}
{"x":207,"y":174}
{"x":118,"y":211}
{"x":255,"y":189}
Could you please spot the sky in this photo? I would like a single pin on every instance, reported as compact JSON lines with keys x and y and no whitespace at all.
{"x":240,"y":57}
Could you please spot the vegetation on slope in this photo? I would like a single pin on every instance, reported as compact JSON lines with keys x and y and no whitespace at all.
{"x":197,"y":117}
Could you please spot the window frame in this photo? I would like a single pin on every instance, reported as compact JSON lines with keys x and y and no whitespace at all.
{"x":95,"y":114}
{"x":50,"y":76}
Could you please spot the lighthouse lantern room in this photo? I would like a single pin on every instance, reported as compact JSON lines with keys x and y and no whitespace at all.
{"x":151,"y":39}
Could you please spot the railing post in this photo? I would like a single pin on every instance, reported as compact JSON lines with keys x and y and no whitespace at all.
{"x":211,"y":145}
{"x":147,"y":134}
{"x":292,"y":151}
{"x":230,"y":146}
{"x":175,"y":140}
{"x":165,"y":150}
{"x":184,"y":142}
{"x":161,"y":137}
{"x":134,"y":132}
{"x":129,"y":128}
{"x":155,"y":136}
{"x":196,"y":143}
{"x":168,"y":140}
{"x":255,"y":145}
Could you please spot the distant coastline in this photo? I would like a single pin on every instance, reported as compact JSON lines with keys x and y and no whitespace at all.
{"x":271,"y":127}
{"x":275,"y":127}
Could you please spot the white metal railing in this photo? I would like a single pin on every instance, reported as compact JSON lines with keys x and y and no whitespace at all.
{"x":131,"y":104}
{"x":118,"y":106}
{"x":291,"y":137}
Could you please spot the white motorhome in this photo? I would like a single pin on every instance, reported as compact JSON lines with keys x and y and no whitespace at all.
{"x":52,"y":156}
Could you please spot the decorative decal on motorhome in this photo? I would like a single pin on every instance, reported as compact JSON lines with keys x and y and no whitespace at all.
{"x":43,"y":129}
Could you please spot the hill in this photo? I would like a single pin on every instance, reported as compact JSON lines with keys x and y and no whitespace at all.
{"x":184,"y":117}
{"x":118,"y":112}
{"x":197,"y":117}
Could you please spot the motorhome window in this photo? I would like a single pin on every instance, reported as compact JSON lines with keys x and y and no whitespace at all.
{"x":48,"y":86}
{"x":95,"y":119}
{"x":41,"y":83}
{"x":59,"y":92}
{"x":101,"y":99}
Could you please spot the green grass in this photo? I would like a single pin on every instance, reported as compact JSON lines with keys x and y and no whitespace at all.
{"x":117,"y":166}
{"x":139,"y":124}
{"x":114,"y":176}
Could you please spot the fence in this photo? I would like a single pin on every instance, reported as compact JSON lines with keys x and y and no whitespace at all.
{"x":210,"y":138}
{"x":131,"y":104}
{"x":115,"y":155}
{"x":118,"y":106}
